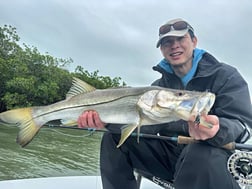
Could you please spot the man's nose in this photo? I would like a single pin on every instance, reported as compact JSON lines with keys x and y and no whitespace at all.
{"x":174,"y":43}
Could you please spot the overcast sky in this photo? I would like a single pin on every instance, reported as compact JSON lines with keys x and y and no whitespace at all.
{"x":118,"y":37}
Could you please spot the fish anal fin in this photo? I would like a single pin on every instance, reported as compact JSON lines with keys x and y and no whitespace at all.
{"x":79,"y":87}
{"x":126,"y":132}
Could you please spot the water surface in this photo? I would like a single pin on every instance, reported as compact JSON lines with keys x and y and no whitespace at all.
{"x":53,"y":152}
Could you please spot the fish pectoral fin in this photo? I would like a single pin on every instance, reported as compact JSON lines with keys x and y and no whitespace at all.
{"x":126,"y":132}
{"x":68,"y":122}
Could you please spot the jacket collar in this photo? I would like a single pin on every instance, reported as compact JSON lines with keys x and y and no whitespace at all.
{"x":197,"y":56}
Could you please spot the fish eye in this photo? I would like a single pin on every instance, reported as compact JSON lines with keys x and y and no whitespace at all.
{"x":180,"y":94}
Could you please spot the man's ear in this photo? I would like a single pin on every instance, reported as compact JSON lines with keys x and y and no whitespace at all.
{"x":195,"y":41}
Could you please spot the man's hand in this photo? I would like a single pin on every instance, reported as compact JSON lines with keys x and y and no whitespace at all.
{"x":90,"y":119}
{"x":200,"y":132}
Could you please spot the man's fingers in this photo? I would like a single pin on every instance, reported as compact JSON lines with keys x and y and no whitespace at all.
{"x":82,"y":120}
{"x":99,"y":124}
{"x":90,"y":119}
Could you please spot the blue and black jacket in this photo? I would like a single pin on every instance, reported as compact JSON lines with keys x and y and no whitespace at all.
{"x":232,"y":104}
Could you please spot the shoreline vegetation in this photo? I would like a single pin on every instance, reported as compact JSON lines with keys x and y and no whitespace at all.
{"x":30,"y":78}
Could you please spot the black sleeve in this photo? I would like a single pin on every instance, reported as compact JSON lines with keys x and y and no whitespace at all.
{"x":233,"y":107}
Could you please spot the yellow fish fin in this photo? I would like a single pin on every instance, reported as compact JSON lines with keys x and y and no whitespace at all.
{"x":22,"y":118}
{"x":126,"y":132}
{"x":27,"y":132}
{"x":68,"y":122}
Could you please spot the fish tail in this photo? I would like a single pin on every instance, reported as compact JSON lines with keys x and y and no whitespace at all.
{"x":23,"y":119}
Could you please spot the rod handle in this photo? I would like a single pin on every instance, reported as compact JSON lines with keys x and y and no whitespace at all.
{"x":190,"y":140}
{"x":186,"y":140}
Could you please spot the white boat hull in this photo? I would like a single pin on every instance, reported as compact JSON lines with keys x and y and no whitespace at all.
{"x":69,"y":182}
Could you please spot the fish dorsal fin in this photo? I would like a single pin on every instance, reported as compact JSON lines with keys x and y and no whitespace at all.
{"x":79,"y":87}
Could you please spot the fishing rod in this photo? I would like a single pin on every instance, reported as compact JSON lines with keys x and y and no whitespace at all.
{"x":238,"y":164}
{"x":179,"y":139}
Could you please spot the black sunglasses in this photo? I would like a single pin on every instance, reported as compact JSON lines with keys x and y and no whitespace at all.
{"x":180,"y":25}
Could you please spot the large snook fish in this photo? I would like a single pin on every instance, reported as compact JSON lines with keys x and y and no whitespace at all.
{"x":132,"y":106}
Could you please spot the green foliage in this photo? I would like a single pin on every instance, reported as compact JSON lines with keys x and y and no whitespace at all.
{"x":29,"y":78}
{"x":99,"y":82}
{"x":8,"y":41}
{"x":15,"y":100}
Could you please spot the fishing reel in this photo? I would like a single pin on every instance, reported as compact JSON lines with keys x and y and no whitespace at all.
{"x":240,"y":166}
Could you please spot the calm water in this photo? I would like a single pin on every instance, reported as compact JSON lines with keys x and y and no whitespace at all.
{"x":53,"y":152}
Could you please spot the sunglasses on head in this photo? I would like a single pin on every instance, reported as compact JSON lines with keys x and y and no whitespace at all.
{"x":180,"y":25}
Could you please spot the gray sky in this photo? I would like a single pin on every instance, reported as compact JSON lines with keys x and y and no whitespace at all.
{"x":118,"y":37}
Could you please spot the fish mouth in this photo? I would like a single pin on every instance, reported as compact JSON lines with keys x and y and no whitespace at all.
{"x":204,"y":103}
{"x":196,"y":106}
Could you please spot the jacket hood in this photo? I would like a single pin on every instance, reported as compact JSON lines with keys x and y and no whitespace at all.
{"x":204,"y":64}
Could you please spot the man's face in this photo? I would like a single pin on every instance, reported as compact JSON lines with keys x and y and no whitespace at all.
{"x":178,"y":50}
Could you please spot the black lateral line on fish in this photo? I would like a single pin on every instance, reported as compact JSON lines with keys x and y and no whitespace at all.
{"x":77,"y":106}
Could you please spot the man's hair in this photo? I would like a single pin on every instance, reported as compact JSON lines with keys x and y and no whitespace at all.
{"x":191,"y":33}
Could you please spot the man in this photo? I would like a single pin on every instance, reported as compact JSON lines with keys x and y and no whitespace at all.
{"x":194,"y":166}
